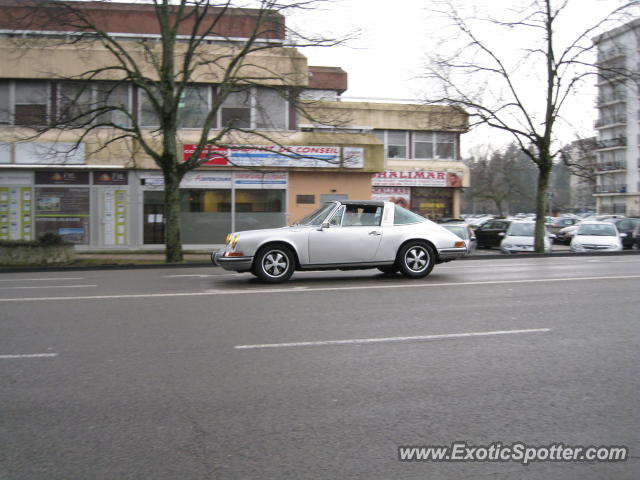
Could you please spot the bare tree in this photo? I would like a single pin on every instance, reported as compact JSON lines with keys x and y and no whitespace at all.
{"x":507,"y":96}
{"x":194,"y":45}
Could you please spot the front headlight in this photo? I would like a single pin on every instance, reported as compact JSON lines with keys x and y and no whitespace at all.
{"x":234,"y":240}
{"x":226,"y":240}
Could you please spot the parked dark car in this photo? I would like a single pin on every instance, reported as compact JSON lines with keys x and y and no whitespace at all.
{"x":626,"y":225}
{"x":488,"y":234}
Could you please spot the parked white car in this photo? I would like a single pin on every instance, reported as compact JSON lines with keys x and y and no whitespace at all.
{"x":343,"y":235}
{"x":520,"y":237}
{"x":596,"y":237}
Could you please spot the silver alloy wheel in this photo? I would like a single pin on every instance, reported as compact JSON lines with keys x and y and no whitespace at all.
{"x":416,"y":258}
{"x":275,"y":263}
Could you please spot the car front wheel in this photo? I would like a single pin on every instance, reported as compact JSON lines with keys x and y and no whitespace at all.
{"x":416,"y":260}
{"x":274,"y":264}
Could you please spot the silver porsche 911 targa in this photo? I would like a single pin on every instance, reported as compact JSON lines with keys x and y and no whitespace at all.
{"x":343,"y":235}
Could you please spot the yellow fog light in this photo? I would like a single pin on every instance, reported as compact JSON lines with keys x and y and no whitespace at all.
{"x":459,"y":245}
{"x":234,"y":240}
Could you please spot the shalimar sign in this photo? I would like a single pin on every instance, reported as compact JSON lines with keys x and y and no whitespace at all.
{"x":421,"y":178}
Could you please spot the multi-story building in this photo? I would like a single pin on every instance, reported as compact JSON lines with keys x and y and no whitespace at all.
{"x":617,"y":124}
{"x":109,"y":194}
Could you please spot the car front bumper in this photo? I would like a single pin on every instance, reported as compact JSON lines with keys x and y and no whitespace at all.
{"x":236,"y":264}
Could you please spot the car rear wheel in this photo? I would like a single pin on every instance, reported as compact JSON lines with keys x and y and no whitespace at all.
{"x":416,"y":260}
{"x":274,"y":264}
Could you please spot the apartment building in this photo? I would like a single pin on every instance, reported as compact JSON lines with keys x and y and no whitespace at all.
{"x":617,"y":124}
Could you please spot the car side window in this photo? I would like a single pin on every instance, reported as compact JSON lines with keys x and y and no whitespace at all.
{"x":362,"y":215}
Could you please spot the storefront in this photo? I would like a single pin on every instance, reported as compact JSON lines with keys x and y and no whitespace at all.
{"x":82,"y":207}
{"x":214,"y":203}
{"x":431,"y":193}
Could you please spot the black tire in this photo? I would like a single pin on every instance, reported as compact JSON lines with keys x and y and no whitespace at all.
{"x":416,"y":259}
{"x":389,"y":269}
{"x":274,"y":264}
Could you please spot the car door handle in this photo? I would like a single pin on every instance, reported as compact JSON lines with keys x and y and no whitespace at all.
{"x":374,"y":233}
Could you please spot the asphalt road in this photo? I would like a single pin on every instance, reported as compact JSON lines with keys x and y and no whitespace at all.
{"x":205,"y":374}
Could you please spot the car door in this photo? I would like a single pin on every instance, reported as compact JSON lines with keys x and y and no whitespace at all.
{"x":485,"y":233}
{"x":353,"y":236}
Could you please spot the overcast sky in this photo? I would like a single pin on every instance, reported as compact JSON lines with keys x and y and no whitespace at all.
{"x":389,"y":54}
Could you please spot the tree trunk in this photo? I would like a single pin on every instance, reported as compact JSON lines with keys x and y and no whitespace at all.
{"x":172,"y":238}
{"x":544,"y":172}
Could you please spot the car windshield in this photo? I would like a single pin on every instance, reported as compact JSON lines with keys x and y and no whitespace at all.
{"x":522,"y":229}
{"x":597,"y":230}
{"x":459,"y":230}
{"x":318,"y":216}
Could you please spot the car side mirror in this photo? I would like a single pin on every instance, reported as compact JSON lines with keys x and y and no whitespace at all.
{"x":323,"y":226}
{"x":552,"y":236}
{"x":623,"y":235}
{"x":501,"y":234}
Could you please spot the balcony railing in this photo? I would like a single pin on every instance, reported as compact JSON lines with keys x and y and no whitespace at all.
{"x":614,"y":97}
{"x":614,"y":188}
{"x":612,"y":142}
{"x":607,"y":166}
{"x":611,"y":53}
{"x":616,"y":119}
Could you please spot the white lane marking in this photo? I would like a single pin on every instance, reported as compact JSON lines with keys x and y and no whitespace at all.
{"x":46,"y":286}
{"x":361,"y":341}
{"x":492,"y":266}
{"x":203,"y":275}
{"x":29,"y":355}
{"x":39,"y":279}
{"x":305,"y":289}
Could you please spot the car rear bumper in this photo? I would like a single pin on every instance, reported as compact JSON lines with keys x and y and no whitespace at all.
{"x":446,"y":254}
{"x":236,"y":264}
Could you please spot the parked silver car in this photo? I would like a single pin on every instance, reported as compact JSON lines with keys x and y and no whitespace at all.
{"x":343,"y":235}
{"x":466,"y":233}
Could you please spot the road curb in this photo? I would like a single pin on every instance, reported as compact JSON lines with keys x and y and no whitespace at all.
{"x":133,"y":266}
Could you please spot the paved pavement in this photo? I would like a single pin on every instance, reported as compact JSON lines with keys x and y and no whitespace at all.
{"x":200,"y":373}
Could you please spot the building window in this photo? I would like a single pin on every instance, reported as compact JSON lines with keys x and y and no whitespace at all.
{"x":271,"y":109}
{"x":5,"y":111}
{"x":305,"y":199}
{"x":396,"y":144}
{"x":117,"y":98}
{"x":31,"y":101}
{"x":434,"y":145}
{"x":96,"y":103}
{"x":445,"y":145}
{"x":236,"y":110}
{"x":75,"y":103}
{"x":194,"y":106}
{"x":423,"y":145}
{"x":147,"y":113}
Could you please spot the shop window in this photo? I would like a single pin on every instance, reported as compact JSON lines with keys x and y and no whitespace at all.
{"x":271,"y":109}
{"x":236,"y":110}
{"x":260,"y":209}
{"x":194,"y":107}
{"x":205,"y":215}
{"x":396,"y":144}
{"x":31,"y":100}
